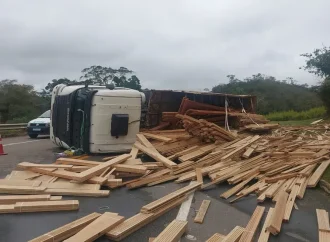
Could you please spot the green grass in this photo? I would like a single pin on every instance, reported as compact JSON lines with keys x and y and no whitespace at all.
{"x":296,"y":122}
{"x":314,"y":113}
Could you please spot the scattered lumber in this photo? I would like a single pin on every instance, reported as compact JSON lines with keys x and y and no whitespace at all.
{"x":97,"y":228}
{"x":67,"y":230}
{"x":172,"y":232}
{"x":202,"y":211}
{"x":264,"y":234}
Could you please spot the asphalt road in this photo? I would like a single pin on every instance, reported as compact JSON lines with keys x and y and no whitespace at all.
{"x":221,"y":217}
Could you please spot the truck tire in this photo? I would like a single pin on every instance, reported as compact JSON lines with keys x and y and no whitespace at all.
{"x":33,"y":136}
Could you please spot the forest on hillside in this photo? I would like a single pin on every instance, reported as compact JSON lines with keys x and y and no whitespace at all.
{"x":273,"y":95}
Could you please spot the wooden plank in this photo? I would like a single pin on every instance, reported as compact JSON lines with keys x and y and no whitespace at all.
{"x":324,"y":236}
{"x":77,"y":162}
{"x":134,"y":152}
{"x":315,"y":178}
{"x":143,"y":141}
{"x":278,"y":214}
{"x":280,"y":177}
{"x":252,"y":225}
{"x":202,"y":211}
{"x":77,"y":192}
{"x":290,"y":202}
{"x":157,"y":137}
{"x":155,"y":155}
{"x":67,"y":230}
{"x":20,"y":183}
{"x":264,"y":234}
{"x":22,"y":175}
{"x":70,"y":185}
{"x":248,"y":152}
{"x":23,"y":198}
{"x":41,"y":206}
{"x":169,"y":197}
{"x":199,"y":175}
{"x":216,"y":238}
{"x":173,"y":232}
{"x":5,"y":189}
{"x":323,"y":220}
{"x":97,"y":228}
{"x":94,"y":171}
{"x":302,"y":188}
{"x":131,"y":168}
{"x":25,"y":165}
{"x":234,"y":235}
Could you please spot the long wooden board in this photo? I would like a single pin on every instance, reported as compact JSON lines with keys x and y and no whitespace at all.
{"x":77,"y":192}
{"x":264,"y":234}
{"x":173,"y":232}
{"x":323,"y":220}
{"x":290,"y":202}
{"x":315,"y":178}
{"x":202,"y":211}
{"x":278,"y":214}
{"x":23,"y":198}
{"x":97,"y":228}
{"x":167,"y":198}
{"x":67,"y":230}
{"x":25,"y":165}
{"x":252,"y":225}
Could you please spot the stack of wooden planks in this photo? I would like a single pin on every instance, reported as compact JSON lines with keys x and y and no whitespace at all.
{"x":207,"y":131}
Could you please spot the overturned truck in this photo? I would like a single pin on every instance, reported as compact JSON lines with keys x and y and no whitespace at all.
{"x":98,"y":119}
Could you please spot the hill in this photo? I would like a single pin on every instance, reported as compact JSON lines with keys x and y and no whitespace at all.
{"x":272,"y":95}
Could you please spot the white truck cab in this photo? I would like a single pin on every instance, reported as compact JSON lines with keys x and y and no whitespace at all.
{"x":94,"y":118}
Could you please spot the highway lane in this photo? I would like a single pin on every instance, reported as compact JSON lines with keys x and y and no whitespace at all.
{"x":221,"y":217}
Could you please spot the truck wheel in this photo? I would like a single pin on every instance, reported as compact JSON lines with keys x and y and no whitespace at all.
{"x":33,"y":136}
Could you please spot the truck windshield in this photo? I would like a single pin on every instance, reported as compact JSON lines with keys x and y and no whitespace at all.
{"x":45,"y":114}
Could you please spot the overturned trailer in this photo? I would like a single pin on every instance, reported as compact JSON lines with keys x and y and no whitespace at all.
{"x":161,"y":101}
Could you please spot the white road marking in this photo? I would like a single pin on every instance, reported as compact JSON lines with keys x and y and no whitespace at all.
{"x":185,"y":207}
{"x":22,"y":142}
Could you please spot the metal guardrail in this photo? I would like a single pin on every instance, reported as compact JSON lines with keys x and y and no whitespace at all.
{"x":13,"y":126}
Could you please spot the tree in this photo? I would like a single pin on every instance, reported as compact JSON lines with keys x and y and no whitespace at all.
{"x":50,"y":86}
{"x":272,"y":95}
{"x":318,"y":63}
{"x":20,"y":102}
{"x":101,"y":75}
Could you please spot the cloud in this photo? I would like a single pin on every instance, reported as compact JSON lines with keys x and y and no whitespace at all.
{"x":169,"y":44}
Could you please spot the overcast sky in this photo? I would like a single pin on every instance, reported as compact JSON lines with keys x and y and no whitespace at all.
{"x":169,"y":44}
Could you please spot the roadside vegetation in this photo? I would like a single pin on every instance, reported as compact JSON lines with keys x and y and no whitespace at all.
{"x":292,"y":115}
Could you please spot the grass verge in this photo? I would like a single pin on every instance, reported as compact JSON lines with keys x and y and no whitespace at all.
{"x":12,"y":133}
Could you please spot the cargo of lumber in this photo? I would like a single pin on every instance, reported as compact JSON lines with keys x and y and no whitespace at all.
{"x":205,"y":130}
